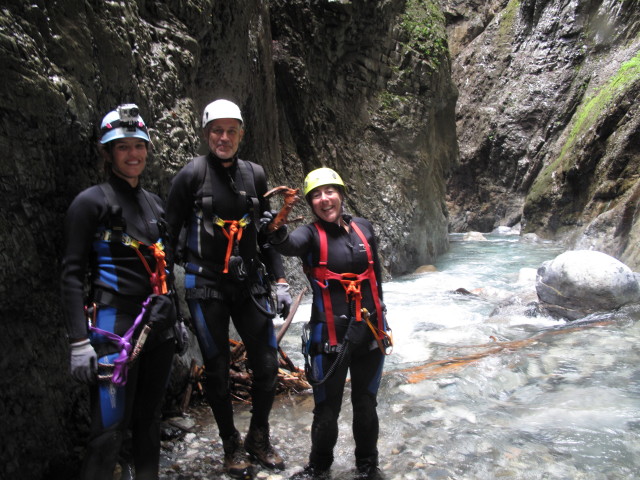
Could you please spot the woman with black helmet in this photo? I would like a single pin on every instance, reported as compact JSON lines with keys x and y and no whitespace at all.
{"x":121,"y":335}
{"x":347,"y":332}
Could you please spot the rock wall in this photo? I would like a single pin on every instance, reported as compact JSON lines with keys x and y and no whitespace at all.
{"x":364,"y":89}
{"x":548,"y":121}
{"x":361,"y":86}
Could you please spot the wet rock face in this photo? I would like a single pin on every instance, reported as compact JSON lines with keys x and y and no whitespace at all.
{"x":351,"y":85}
{"x":580,"y":282}
{"x":359,"y":94}
{"x":548,"y":120}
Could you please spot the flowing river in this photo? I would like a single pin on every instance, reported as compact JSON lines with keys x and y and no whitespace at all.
{"x":477,"y":386}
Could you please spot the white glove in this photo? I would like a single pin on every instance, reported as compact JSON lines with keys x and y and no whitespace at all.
{"x":283,"y":299}
{"x":84,"y":361}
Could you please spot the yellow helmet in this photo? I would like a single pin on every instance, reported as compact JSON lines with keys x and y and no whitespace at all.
{"x":319,"y":177}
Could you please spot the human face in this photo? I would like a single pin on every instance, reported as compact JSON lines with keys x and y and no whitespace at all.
{"x":128,"y":158}
{"x":224,"y":136}
{"x":326,"y":203}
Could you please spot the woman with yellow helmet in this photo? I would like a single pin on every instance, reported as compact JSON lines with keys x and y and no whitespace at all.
{"x":347,"y":329}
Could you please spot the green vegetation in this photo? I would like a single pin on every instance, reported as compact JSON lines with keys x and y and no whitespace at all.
{"x":424,"y":23}
{"x":507,"y":21}
{"x":390,"y":104}
{"x":586,"y":117}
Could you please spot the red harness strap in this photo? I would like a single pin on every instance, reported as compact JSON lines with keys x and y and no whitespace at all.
{"x":350,"y":281}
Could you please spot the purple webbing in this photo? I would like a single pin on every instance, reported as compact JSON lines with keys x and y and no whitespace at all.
{"x":119,"y":377}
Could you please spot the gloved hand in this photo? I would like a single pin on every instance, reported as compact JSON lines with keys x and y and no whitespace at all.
{"x":84,"y":361}
{"x":283,"y":299}
{"x":182,"y":338}
{"x":277,"y":236}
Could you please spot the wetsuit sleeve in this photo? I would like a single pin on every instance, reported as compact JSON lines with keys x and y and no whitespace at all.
{"x":179,"y":206}
{"x":81,"y":223}
{"x":298,"y":243}
{"x":271,"y":258}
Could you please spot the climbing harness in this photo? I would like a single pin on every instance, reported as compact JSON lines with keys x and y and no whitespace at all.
{"x":342,"y":350}
{"x":351,"y":283}
{"x":157,"y":277}
{"x":234,"y":265}
{"x":250,"y":177}
{"x":157,"y":280}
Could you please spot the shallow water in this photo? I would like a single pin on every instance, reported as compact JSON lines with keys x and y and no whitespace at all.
{"x":476,"y":387}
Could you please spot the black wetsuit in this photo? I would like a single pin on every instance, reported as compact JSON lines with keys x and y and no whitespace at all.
{"x":214,"y":296}
{"x":346,"y":254}
{"x":119,"y":283}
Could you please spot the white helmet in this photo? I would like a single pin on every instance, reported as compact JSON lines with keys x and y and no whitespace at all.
{"x":220,"y":109}
{"x":123,"y":122}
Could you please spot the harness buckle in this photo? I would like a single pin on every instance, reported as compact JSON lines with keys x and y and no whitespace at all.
{"x":328,"y":348}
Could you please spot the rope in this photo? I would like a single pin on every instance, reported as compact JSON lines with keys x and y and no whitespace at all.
{"x":119,"y":377}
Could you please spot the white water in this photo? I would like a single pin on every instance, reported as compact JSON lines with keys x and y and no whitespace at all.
{"x":474,"y":390}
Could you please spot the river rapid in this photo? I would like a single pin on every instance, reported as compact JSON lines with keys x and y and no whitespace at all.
{"x":478,"y":386}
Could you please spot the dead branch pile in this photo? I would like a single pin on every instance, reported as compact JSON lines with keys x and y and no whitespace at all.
{"x":291,"y":379}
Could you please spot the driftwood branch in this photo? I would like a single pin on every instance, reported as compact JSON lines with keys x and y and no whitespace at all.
{"x":289,"y":319}
{"x":291,"y":379}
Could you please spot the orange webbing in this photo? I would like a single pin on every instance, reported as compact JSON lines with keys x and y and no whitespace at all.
{"x":158,"y":279}
{"x":233,"y":235}
{"x":159,"y":282}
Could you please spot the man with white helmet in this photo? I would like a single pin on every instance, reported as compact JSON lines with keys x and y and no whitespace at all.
{"x":216,"y":200}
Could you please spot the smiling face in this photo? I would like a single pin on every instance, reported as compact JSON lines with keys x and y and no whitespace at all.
{"x":326,"y":203}
{"x":128,"y":157}
{"x":224,"y":136}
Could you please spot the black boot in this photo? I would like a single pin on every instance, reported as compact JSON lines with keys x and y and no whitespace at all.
{"x":311,"y":472}
{"x":369,"y":472}
{"x":258,"y":445}
{"x":236,"y":463}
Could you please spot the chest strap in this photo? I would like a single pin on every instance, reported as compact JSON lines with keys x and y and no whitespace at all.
{"x":351,"y":282}
{"x":158,"y":276}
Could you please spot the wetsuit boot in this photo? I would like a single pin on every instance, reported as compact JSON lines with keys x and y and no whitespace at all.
{"x":236,"y":463}
{"x":259,"y":446}
{"x":312,"y":472}
{"x":367,"y":469}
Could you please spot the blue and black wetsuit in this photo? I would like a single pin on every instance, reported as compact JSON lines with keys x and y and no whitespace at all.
{"x":118,"y":284}
{"x":345,"y":254}
{"x":201,"y":191}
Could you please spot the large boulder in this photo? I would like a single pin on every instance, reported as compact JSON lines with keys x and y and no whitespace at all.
{"x":580,"y":282}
